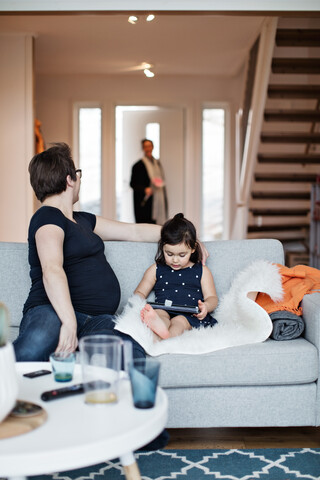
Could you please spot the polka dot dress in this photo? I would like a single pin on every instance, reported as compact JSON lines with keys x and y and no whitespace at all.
{"x":182,"y":287}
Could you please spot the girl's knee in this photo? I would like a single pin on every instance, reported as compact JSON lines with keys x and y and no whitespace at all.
{"x":181,"y":321}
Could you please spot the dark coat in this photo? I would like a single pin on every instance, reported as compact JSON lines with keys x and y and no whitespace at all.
{"x":139,"y":182}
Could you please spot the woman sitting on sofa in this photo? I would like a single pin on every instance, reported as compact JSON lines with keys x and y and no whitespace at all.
{"x":74,"y":290}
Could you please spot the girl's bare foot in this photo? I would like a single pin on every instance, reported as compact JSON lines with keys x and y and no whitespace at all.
{"x":154,"y":322}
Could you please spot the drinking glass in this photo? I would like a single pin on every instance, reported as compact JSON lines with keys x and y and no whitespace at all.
{"x":100,"y":357}
{"x":144,"y":374}
{"x":62,"y":366}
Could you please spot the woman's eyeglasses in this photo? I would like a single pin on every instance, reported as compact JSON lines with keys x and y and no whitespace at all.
{"x":79,"y":172}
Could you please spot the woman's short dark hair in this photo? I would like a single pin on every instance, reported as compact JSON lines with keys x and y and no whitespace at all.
{"x":179,"y":230}
{"x":144,"y":141}
{"x":49,"y":170}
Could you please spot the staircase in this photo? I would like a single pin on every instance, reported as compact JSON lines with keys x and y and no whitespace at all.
{"x":289,"y":153}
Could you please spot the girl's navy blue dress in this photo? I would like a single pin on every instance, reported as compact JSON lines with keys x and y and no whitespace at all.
{"x":182,"y":287}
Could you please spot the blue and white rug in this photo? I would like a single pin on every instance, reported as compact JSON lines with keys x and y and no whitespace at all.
{"x":264,"y":464}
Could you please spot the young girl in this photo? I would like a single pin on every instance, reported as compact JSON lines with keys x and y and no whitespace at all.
{"x":178,"y":276}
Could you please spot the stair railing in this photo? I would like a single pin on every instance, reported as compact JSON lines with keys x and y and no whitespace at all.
{"x":245,"y":163}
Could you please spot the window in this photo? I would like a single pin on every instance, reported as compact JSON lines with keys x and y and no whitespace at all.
{"x":89,"y":131}
{"x":213,"y":150}
{"x":153,"y":134}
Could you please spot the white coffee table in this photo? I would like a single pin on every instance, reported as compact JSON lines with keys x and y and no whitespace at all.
{"x":76,"y":435}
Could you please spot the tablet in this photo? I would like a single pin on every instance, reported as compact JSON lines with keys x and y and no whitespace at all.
{"x":175,"y":308}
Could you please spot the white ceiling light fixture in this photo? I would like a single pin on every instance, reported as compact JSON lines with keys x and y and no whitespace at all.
{"x":148,"y":73}
{"x":133,"y":19}
{"x":150,"y":17}
{"x":146,"y":67}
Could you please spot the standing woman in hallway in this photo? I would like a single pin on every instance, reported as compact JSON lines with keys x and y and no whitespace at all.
{"x":149,"y":191}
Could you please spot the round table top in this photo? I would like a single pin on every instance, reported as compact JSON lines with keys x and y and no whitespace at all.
{"x":76,"y":434}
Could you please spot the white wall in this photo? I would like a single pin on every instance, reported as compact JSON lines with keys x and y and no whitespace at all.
{"x":16,"y":136}
{"x":151,"y":5}
{"x":55,"y":96}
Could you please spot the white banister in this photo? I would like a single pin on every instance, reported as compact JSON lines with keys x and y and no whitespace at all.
{"x":254,"y":126}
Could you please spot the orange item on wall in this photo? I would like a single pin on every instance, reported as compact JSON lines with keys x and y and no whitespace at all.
{"x":40,"y":145}
{"x":296,"y":282}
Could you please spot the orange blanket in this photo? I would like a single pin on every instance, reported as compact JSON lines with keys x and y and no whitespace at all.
{"x":296,"y":282}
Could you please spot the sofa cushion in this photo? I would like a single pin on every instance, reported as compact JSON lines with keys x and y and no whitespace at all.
{"x":267,"y":363}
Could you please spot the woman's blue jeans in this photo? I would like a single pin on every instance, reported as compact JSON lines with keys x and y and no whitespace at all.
{"x":40,"y":329}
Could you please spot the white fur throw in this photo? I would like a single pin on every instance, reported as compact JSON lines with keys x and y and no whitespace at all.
{"x":241,"y":321}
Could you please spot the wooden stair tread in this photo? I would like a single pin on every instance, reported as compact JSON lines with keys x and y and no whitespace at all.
{"x":288,"y":158}
{"x":285,"y":177}
{"x":291,"y":137}
{"x":281,"y":195}
{"x":294,"y":91}
{"x":298,"y":37}
{"x":296,"y":65}
{"x":270,"y":212}
{"x":298,"y":237}
{"x":292,"y":115}
{"x":269,"y":228}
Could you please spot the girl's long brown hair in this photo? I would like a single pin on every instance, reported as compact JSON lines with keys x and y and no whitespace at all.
{"x":178,"y":230}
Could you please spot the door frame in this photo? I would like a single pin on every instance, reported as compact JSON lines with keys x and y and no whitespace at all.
{"x":163,"y":105}
{"x":228,"y":179}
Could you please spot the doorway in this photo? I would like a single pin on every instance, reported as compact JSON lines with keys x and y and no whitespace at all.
{"x":165,"y":127}
{"x":213,"y":167}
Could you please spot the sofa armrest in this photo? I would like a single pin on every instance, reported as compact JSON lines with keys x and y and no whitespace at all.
{"x":311,"y":316}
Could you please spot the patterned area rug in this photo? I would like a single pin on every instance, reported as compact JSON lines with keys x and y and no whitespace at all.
{"x":264,"y":464}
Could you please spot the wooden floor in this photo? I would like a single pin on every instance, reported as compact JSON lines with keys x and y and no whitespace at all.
{"x":242,"y":438}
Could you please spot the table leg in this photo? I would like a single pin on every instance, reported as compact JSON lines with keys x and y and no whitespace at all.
{"x":130,"y":467}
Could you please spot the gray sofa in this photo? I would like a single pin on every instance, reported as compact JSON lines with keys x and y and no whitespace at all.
{"x":266,"y":384}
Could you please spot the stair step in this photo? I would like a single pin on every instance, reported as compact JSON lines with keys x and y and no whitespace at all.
{"x":277,"y":228}
{"x":294,"y":91}
{"x":281,"y":195}
{"x":285,"y":177}
{"x":281,"y":186}
{"x":273,"y":212}
{"x":292,"y":115}
{"x":276,"y":203}
{"x":284,"y":237}
{"x":289,"y":37}
{"x":296,"y":65}
{"x":286,"y":168}
{"x":292,"y":137}
{"x":302,"y":158}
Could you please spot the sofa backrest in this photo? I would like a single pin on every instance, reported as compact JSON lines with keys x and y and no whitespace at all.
{"x":129,"y":261}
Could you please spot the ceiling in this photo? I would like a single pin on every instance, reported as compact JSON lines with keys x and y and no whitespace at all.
{"x":107,"y":44}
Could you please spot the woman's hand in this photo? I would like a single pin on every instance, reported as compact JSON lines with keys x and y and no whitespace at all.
{"x":148,"y":191}
{"x":203,"y":310}
{"x":68,"y":340}
{"x":204,"y":251}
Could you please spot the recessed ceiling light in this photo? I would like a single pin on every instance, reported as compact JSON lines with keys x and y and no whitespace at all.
{"x":133,"y":19}
{"x":148,"y":73}
{"x":146,"y":65}
{"x":150,"y":17}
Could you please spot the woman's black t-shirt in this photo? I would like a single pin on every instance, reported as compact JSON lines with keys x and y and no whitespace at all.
{"x":94,"y":287}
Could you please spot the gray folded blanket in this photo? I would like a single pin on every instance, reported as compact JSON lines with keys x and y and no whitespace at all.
{"x":286,"y":325}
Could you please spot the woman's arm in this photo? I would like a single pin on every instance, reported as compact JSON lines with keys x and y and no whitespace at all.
{"x":209,"y":294}
{"x":131,"y":232}
{"x":147,"y":283}
{"x":49,"y":241}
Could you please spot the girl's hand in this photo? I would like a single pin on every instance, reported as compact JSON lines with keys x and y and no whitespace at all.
{"x":203,"y":310}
